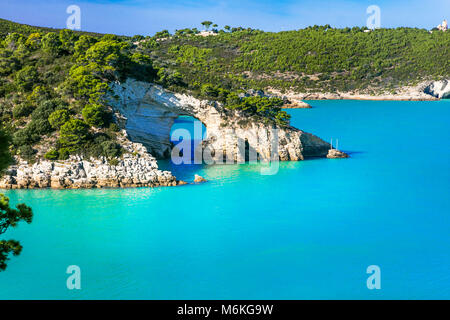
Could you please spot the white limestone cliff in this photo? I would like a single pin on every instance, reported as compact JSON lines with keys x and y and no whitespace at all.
{"x":439,"y":89}
{"x":147,"y":112}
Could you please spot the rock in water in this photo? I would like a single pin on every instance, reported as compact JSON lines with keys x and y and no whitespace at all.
{"x":296,"y":104}
{"x":199,"y":179}
{"x":335,"y":154}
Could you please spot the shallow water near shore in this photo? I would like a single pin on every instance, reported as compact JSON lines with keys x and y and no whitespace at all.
{"x":308,"y":232}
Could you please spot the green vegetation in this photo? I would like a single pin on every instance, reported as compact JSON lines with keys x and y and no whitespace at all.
{"x":264,"y":108}
{"x":53,"y":83}
{"x":318,"y":58}
{"x":207,"y":24}
{"x":26,"y":78}
{"x":95,"y":115}
{"x":53,"y":88}
{"x":7,"y":27}
{"x":73,"y":133}
{"x":5,"y":157}
{"x":9,"y":217}
{"x":58,"y":118}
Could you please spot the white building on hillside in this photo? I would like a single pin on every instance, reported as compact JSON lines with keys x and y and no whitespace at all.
{"x":443,"y":26}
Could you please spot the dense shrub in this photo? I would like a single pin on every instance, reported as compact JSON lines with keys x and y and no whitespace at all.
{"x":22,"y":110}
{"x":67,"y":38}
{"x":39,"y":127}
{"x":13,"y":40}
{"x":26,"y":136}
{"x":8,"y":63}
{"x":6,"y":88}
{"x":266,"y":108}
{"x":26,"y":78}
{"x":43,"y":111}
{"x":83,"y":44}
{"x":52,"y":155}
{"x":113,"y":127}
{"x":95,"y":115}
{"x":34,"y":41}
{"x":111,"y":53}
{"x":64,"y":153}
{"x":58,"y":118}
{"x":73,"y":134}
{"x":169,"y":78}
{"x":83,"y":83}
{"x":40,"y":94}
{"x":209,"y":91}
{"x":26,"y":152}
{"x":39,"y":124}
{"x":5,"y":156}
{"x":51,"y":44}
{"x":111,"y":149}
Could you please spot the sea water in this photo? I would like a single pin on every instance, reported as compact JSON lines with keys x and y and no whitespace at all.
{"x":310,"y":231}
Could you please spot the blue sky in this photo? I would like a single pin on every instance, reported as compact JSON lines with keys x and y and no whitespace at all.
{"x":146,"y":17}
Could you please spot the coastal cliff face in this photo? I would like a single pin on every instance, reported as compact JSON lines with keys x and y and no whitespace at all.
{"x":439,"y":89}
{"x":424,"y":91}
{"x":137,"y":168}
{"x":147,"y":113}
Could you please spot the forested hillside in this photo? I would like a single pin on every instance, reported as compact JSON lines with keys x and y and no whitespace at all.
{"x":52,"y":91}
{"x":7,"y":27}
{"x":54,"y":83}
{"x":317,"y":58}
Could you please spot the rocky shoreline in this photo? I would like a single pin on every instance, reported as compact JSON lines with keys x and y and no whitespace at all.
{"x":146,"y":113}
{"x":136,"y":168}
{"x":149,"y":112}
{"x":425,"y":91}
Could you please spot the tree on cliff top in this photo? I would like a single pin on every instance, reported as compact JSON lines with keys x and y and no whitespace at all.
{"x":207,"y":24}
{"x":9,"y":217}
{"x":5,"y":157}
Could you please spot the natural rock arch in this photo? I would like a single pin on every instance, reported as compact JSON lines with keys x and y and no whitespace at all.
{"x":147,"y":112}
{"x":188,"y":132}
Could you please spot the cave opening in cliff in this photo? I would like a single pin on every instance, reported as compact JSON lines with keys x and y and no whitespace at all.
{"x":186,"y":136}
{"x":247,"y":151}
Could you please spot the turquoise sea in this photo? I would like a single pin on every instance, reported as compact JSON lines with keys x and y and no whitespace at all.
{"x":308,"y":232}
